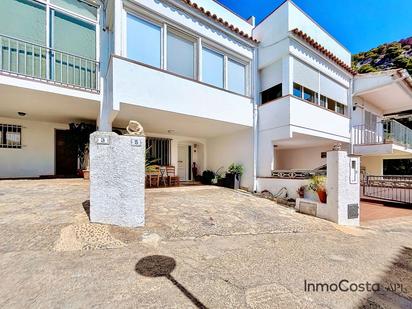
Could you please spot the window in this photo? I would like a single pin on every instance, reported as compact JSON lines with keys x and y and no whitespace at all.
{"x":331,"y":104}
{"x":143,"y":41}
{"x":10,"y":136}
{"x":79,"y":7}
{"x":323,"y":101}
{"x":271,"y":93}
{"x":310,"y":95}
{"x":370,"y":121}
{"x":24,"y":20}
{"x":180,"y":55}
{"x":297,"y":90}
{"x":236,"y":77}
{"x":212,"y":67}
{"x":158,"y":150}
{"x":340,"y":108}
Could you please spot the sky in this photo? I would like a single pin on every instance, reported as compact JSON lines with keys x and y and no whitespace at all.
{"x":358,"y":24}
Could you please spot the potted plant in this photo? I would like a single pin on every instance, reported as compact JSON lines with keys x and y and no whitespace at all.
{"x":301,"y":191}
{"x":318,"y":185}
{"x":234,"y":172}
{"x":207,"y":177}
{"x":80,"y":135}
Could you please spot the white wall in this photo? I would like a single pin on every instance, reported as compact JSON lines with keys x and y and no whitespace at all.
{"x":235,"y":148}
{"x":274,"y":185}
{"x":374,"y":164}
{"x":37,"y":156}
{"x":298,"y":19}
{"x":271,"y":75}
{"x":301,"y":158}
{"x":147,"y":87}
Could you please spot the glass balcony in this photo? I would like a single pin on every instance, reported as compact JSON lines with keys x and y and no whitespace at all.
{"x":22,"y":58}
{"x":386,"y":131}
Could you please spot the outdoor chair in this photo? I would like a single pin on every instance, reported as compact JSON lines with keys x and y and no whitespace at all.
{"x":172,"y":179}
{"x":153,"y":176}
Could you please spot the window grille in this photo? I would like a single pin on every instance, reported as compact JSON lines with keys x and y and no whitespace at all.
{"x":10,"y":136}
{"x":158,"y":150}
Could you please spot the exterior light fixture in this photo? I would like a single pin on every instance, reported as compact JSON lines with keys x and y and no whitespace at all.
{"x":21,"y":114}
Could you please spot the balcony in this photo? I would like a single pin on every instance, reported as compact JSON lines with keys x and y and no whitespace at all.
{"x":388,"y":136}
{"x":142,"y":88}
{"x":289,"y":116}
{"x":24,"y":59}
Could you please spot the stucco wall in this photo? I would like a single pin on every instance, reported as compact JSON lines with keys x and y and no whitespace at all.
{"x":235,"y":148}
{"x":36,"y":157}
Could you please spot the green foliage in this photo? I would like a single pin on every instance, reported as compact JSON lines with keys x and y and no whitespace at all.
{"x":401,"y":61}
{"x":367,"y":68}
{"x":317,"y":183}
{"x":236,"y":169}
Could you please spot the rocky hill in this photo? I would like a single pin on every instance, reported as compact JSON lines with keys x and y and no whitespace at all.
{"x":384,"y":57}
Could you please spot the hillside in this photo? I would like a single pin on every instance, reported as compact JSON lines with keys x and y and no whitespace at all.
{"x":384,"y":57}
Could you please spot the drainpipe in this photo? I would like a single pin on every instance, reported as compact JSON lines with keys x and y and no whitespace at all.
{"x":256,"y":87}
{"x":350,"y":105}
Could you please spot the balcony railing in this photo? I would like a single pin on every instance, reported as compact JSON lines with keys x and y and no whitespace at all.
{"x":40,"y":62}
{"x":386,"y":131}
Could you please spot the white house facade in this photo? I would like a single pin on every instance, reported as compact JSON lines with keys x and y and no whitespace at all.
{"x":208,"y":86}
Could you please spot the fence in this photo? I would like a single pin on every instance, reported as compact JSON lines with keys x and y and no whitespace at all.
{"x":388,"y":188}
{"x":40,"y":62}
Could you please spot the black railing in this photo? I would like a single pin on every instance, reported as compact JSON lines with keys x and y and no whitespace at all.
{"x":388,"y":188}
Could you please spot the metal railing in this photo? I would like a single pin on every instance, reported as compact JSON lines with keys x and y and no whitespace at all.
{"x":297,"y":174}
{"x":386,"y":131}
{"x":388,"y":188}
{"x":40,"y":62}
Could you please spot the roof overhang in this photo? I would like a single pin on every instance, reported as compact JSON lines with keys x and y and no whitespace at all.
{"x":390,"y":91}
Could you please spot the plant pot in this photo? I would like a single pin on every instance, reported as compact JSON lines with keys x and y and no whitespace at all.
{"x":233,"y":181}
{"x":322,"y":196}
{"x":86,"y":174}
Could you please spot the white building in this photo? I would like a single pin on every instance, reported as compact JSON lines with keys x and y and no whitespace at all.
{"x":208,"y":86}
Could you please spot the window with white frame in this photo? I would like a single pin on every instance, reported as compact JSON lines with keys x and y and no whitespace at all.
{"x":10,"y":136}
{"x":143,"y":41}
{"x":236,"y":76}
{"x":164,"y":46}
{"x":180,"y":55}
{"x":212,"y":67}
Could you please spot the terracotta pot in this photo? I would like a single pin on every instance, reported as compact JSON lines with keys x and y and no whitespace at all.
{"x":322,"y":196}
{"x":86,"y":174}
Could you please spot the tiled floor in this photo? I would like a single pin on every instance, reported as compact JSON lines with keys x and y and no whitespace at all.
{"x":375,"y":211}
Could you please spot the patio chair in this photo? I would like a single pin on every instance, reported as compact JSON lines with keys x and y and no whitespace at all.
{"x":153,"y":177}
{"x":172,"y":179}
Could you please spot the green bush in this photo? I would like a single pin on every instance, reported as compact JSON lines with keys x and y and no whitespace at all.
{"x":236,"y":169}
{"x":367,"y":68}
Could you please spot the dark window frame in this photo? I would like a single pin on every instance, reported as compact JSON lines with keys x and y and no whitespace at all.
{"x":12,"y":128}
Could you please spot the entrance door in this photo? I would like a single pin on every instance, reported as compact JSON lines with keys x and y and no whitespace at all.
{"x":182,"y":162}
{"x":66,"y":155}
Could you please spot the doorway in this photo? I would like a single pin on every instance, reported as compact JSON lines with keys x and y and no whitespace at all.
{"x":65,"y":155}
{"x":184,"y":162}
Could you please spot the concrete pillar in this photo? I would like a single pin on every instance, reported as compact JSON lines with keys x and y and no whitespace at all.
{"x":343,"y":188}
{"x":287,"y":75}
{"x":117,"y":179}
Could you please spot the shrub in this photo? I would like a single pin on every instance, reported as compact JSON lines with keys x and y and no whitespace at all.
{"x":367,"y":68}
{"x":236,"y":169}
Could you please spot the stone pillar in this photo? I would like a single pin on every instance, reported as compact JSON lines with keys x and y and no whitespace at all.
{"x":117,"y":179}
{"x":343,"y":188}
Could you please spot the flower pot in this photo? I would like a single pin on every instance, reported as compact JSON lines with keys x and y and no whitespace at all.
{"x":86,"y":174}
{"x":322,"y":196}
{"x":232,"y":181}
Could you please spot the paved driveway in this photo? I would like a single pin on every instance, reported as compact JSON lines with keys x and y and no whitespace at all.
{"x":202,"y":247}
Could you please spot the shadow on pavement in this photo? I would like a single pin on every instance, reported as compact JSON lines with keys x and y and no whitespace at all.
{"x":162,"y":266}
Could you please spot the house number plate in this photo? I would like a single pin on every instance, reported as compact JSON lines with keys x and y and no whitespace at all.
{"x":103,"y":140}
{"x":136,"y":142}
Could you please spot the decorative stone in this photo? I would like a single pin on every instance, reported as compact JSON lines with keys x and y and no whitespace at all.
{"x":117,"y":176}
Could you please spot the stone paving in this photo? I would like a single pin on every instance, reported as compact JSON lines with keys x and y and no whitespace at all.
{"x":202,"y":247}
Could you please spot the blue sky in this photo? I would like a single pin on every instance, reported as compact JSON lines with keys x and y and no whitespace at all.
{"x":358,"y":24}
